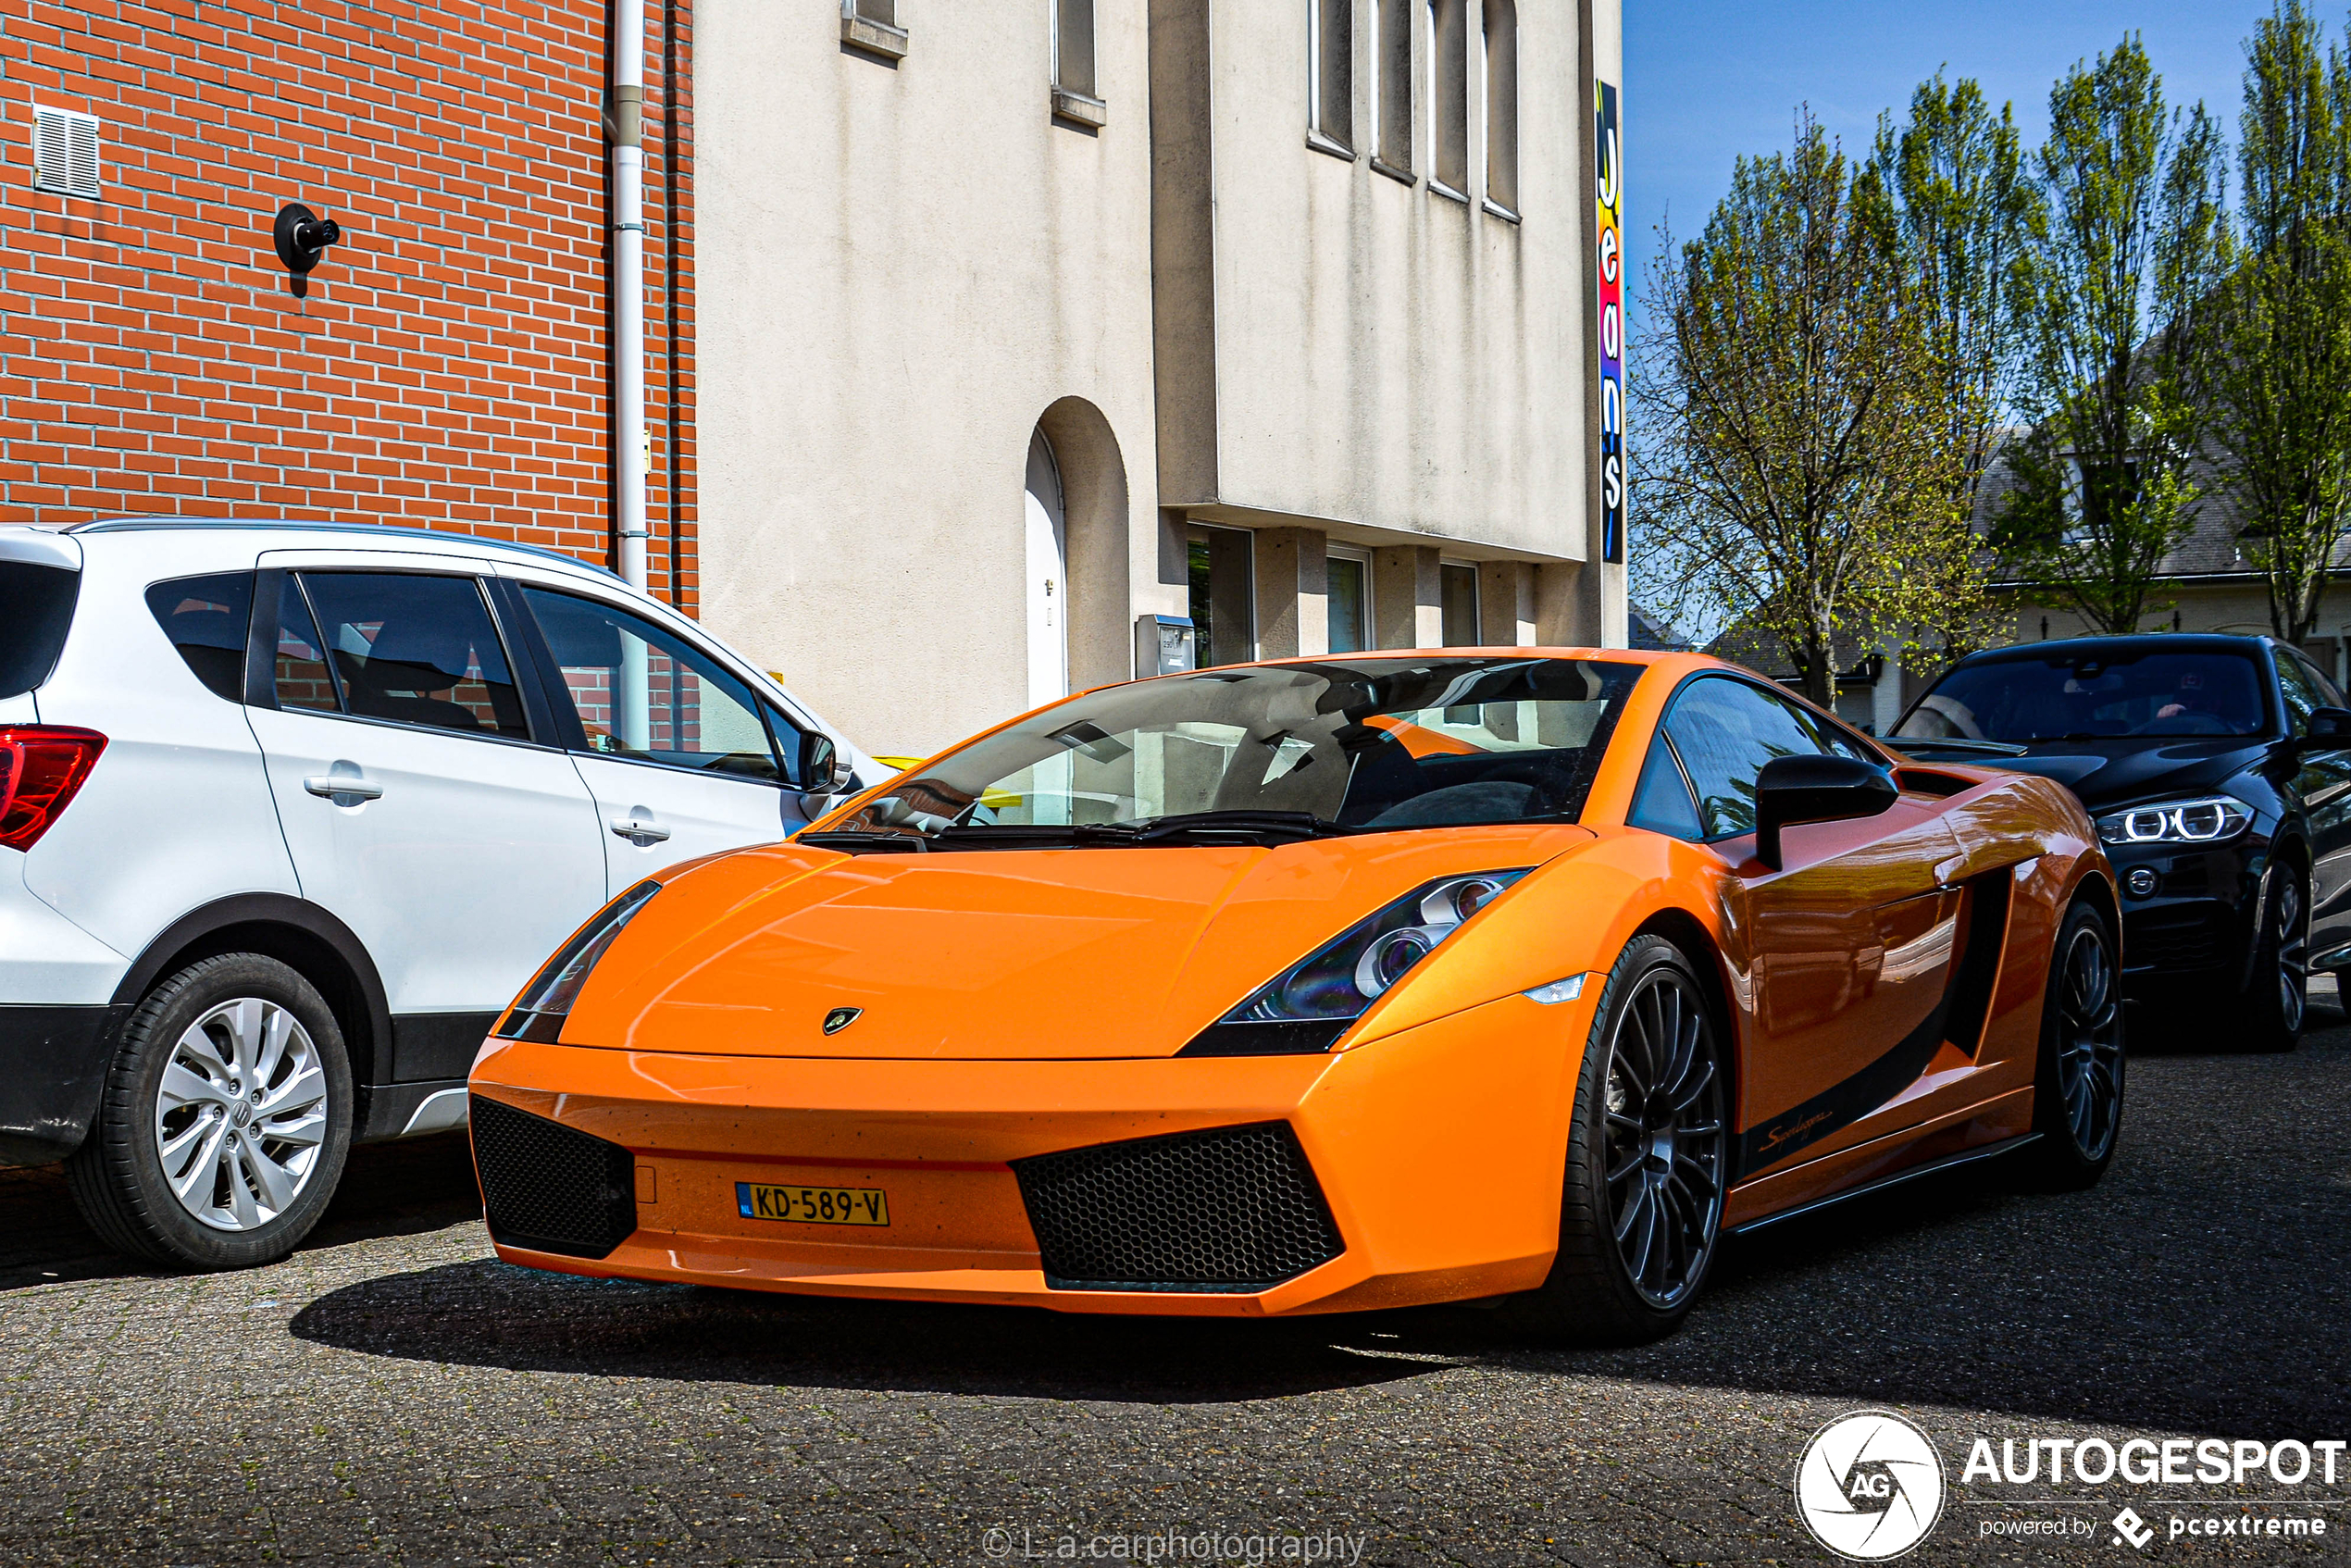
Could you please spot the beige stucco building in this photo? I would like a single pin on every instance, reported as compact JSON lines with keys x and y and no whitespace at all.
{"x":1022,"y":320}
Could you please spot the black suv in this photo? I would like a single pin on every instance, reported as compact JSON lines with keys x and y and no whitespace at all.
{"x":2219,"y":772}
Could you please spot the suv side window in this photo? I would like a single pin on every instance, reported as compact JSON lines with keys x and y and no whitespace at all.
{"x":2329,"y":692}
{"x":301,"y":679}
{"x":207,"y":618}
{"x":641,"y":691}
{"x":1726,"y":730}
{"x":415,"y":649}
{"x":2301,"y":693}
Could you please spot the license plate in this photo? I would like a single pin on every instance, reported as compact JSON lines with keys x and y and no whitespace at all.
{"x":812,"y":1205}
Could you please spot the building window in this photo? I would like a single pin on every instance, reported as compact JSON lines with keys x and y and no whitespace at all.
{"x":1348,"y":592}
{"x":1074,"y":84}
{"x":1498,"y":43}
{"x":1330,"y":73}
{"x":1392,"y":83}
{"x":1223,"y":591}
{"x":1449,"y":97}
{"x":1457,"y":586}
{"x":873,"y":25}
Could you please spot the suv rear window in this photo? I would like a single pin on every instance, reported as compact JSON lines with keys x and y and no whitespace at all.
{"x":39,"y":603}
{"x":204,"y":617}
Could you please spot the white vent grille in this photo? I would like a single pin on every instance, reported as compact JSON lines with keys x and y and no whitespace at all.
{"x":65,"y":152}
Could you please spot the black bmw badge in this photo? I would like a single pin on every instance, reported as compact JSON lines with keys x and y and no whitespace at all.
{"x":840,"y":1018}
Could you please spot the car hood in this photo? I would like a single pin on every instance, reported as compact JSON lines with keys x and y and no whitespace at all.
{"x":1004,"y":953}
{"x":2106,"y":774}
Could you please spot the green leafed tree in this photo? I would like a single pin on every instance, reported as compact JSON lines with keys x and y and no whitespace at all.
{"x":2268,"y":360}
{"x":1795,"y":474}
{"x":2128,"y":237}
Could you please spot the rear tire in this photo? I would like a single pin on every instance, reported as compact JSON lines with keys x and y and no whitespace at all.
{"x":225,"y":1121}
{"x":1647,"y":1159}
{"x":2077,"y":1088}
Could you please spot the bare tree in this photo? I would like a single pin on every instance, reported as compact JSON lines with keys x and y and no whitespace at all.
{"x":1797,"y":474}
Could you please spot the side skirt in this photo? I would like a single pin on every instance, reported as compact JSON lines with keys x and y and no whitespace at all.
{"x":1932,"y":1168}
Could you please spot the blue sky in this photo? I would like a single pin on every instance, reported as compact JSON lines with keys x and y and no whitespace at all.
{"x":1706,"y":81}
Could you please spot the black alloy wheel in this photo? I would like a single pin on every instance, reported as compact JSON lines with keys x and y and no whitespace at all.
{"x":1647,"y":1159}
{"x":2078,"y":1089}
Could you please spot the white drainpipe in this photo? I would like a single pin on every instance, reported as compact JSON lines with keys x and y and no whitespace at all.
{"x":624,"y":125}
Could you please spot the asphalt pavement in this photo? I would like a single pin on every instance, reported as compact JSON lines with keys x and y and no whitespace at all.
{"x":393,"y":1394}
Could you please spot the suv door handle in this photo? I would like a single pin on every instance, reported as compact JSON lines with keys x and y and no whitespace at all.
{"x":639,"y":830}
{"x":344,"y":788}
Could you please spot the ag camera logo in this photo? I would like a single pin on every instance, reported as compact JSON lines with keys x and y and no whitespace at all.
{"x":1870,"y":1485}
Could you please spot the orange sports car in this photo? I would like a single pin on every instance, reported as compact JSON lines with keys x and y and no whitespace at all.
{"x":1320,"y":985}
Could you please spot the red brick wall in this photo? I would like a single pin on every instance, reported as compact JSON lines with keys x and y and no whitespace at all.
{"x":448,"y":367}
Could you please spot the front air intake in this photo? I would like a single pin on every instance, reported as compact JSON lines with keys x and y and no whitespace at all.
{"x":1228,"y":1209}
{"x":550,"y":1187}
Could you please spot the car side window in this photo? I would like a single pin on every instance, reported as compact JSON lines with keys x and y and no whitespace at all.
{"x":641,"y":691}
{"x":417,"y":648}
{"x":207,"y":618}
{"x":302,"y":680}
{"x":1662,"y":803}
{"x":2329,"y":694}
{"x":2301,"y":694}
{"x":1726,"y":730}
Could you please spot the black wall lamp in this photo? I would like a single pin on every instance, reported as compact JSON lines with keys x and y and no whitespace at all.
{"x":303,"y":237}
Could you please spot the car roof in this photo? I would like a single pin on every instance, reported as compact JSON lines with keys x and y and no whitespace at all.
{"x":374,"y":531}
{"x":2139,"y":642}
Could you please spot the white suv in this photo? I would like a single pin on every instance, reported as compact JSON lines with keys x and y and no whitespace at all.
{"x":289,"y":813}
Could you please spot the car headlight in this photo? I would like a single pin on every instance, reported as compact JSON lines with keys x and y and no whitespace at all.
{"x":1339,"y":980}
{"x":2208,"y":820}
{"x":539,"y":1013}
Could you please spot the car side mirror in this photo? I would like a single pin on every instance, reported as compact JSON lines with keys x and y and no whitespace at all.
{"x":821,"y":770}
{"x":2330,"y":724}
{"x":1814,"y":789}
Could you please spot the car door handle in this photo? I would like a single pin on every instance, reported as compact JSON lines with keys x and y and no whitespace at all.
{"x":341,"y":788}
{"x":639,"y":830}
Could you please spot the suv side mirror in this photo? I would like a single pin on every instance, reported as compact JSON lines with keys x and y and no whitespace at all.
{"x":1814,"y":789}
{"x":2330,"y":724}
{"x":821,"y":770}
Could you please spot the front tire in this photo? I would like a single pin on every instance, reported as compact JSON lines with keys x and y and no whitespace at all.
{"x":2077,"y":1088}
{"x":1648,"y":1158}
{"x":2268,"y":1015}
{"x":225,"y":1121}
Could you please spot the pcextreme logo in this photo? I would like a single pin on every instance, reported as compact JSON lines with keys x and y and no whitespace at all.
{"x":1870,"y":1485}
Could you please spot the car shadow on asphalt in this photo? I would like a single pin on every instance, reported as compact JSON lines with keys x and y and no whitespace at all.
{"x":388,"y":1189}
{"x":489,"y":1314}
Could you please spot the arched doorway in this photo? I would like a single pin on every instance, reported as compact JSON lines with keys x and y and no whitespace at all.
{"x":1048,"y":578}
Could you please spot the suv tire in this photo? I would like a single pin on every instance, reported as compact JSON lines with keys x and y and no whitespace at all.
{"x":225,"y":1121}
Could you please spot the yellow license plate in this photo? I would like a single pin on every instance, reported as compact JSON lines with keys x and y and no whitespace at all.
{"x":812,"y":1205}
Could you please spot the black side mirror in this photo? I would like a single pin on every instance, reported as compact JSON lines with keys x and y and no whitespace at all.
{"x":1814,"y":789}
{"x":2331,"y":725}
{"x":821,"y":772}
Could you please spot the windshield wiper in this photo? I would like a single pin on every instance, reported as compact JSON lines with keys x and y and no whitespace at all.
{"x":851,"y":840}
{"x":1234,"y":827}
{"x":1923,"y":743}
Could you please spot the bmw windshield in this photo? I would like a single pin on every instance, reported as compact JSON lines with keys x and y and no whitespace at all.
{"x":1266,"y":753}
{"x":2090,"y":695}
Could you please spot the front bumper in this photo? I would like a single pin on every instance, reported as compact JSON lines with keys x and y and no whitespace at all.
{"x":2194,"y":926}
{"x":1438,"y":1152}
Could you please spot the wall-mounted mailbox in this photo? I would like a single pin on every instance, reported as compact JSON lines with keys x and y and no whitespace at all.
{"x":1162,"y":645}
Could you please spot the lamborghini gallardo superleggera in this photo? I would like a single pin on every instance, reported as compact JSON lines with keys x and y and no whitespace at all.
{"x":1321,"y":985}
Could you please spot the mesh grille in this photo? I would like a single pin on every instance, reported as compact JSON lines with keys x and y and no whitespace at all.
{"x":1227,"y":1209}
{"x":2194,"y":941}
{"x":550,"y":1187}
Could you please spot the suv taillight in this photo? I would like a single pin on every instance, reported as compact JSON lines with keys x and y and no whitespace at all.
{"x":40,"y":766}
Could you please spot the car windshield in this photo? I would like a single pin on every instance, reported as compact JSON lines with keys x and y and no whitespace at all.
{"x":2090,"y":695}
{"x":1268,"y":752}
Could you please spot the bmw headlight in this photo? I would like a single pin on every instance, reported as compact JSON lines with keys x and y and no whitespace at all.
{"x":1309,"y":1005}
{"x":539,"y":1013}
{"x":2208,"y":820}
